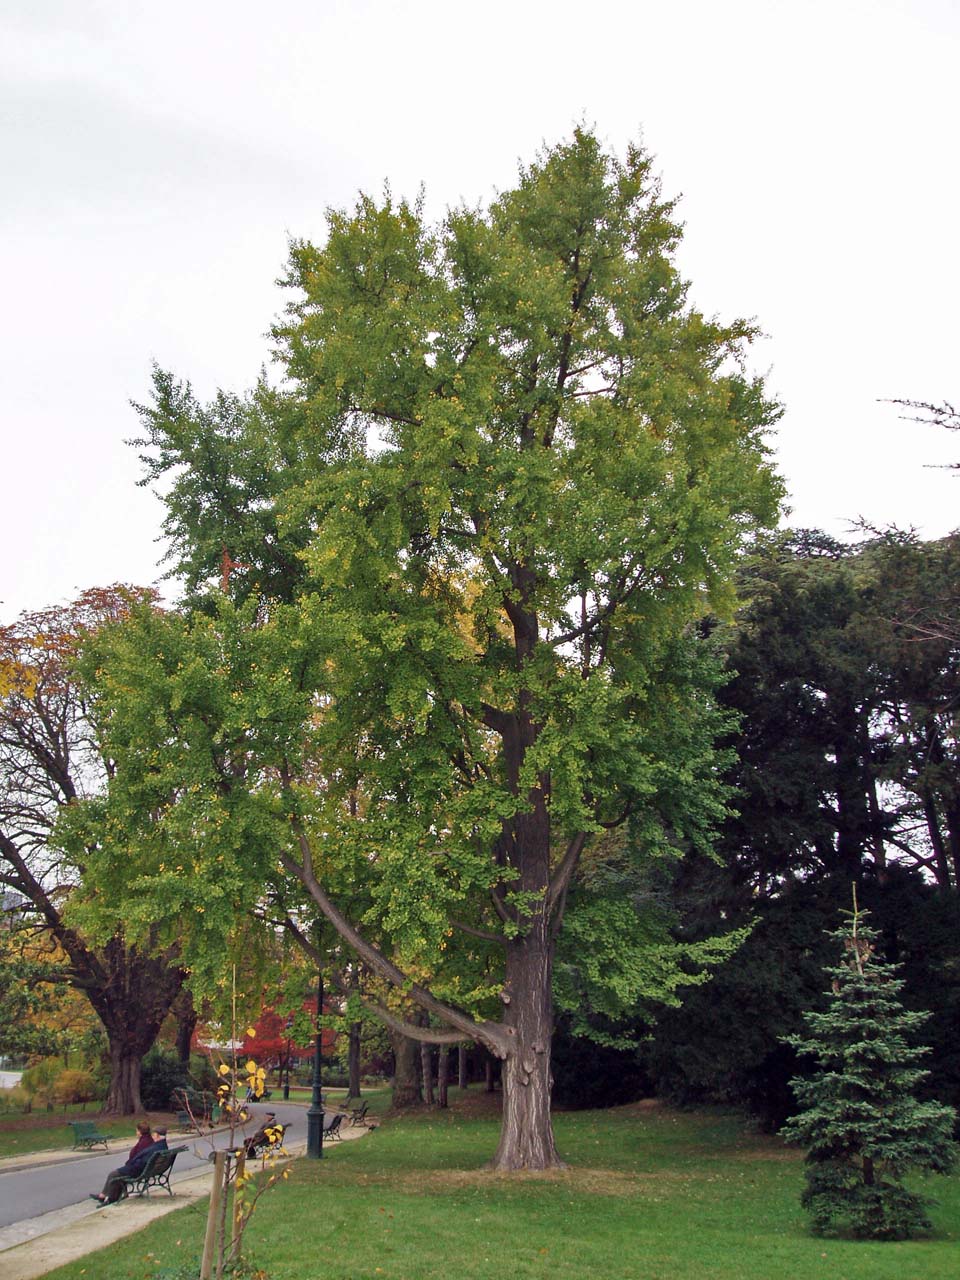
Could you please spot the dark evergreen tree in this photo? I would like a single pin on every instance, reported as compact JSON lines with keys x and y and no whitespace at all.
{"x":863,"y":1124}
{"x":724,"y":1043}
{"x":845,"y":679}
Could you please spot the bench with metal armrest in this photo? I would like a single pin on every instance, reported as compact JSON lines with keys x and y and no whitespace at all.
{"x":276,"y":1132}
{"x":355,"y":1111}
{"x":332,"y":1120}
{"x":86,"y":1135}
{"x":155,"y":1173}
{"x":358,"y":1115}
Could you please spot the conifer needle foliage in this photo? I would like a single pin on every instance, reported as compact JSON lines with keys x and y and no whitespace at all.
{"x":862,"y":1121}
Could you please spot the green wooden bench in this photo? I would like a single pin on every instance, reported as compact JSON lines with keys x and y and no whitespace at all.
{"x":86,"y":1135}
{"x":156,"y":1173}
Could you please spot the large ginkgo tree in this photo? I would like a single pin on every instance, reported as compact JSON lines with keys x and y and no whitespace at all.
{"x":461,"y":551}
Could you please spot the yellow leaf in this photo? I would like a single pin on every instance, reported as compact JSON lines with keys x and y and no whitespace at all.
{"x":223,"y":1069}
{"x":251,"y":1066}
{"x":251,"y":1032}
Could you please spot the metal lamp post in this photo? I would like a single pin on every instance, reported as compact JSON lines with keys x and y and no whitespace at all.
{"x":315,"y":1110}
{"x":286,"y":1083}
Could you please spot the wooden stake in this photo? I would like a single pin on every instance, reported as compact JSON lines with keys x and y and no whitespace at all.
{"x":213,"y":1215}
{"x":238,"y":1201}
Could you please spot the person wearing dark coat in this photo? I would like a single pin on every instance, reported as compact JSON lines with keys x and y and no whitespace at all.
{"x":261,"y":1138}
{"x":135,"y":1164}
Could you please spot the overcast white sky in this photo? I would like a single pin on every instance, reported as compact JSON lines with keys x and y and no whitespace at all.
{"x":155,"y":157}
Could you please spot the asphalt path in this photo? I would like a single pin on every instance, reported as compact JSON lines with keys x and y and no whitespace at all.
{"x":29,"y":1190}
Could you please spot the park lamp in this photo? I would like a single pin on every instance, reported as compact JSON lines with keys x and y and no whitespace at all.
{"x":286,"y":1082}
{"x":315,"y":1110}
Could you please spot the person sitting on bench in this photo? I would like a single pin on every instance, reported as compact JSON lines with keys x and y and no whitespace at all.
{"x":260,"y":1139}
{"x":135,"y":1164}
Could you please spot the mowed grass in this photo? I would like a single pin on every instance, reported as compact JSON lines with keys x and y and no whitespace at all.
{"x":24,"y":1133}
{"x":651,"y":1194}
{"x":21,"y":1134}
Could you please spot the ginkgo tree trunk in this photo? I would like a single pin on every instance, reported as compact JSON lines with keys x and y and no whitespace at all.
{"x":515,"y":467}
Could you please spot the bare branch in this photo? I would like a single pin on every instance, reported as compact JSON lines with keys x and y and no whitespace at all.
{"x":487,"y":935}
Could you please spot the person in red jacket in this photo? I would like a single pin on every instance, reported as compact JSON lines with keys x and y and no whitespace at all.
{"x":136,"y":1162}
{"x":144,"y":1139}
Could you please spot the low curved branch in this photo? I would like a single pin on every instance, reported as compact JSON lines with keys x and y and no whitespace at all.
{"x":408,"y":1029}
{"x":491,"y":1034}
{"x":427,"y":1035}
{"x":617,"y":822}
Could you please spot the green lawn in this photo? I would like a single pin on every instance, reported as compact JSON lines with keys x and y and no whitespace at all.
{"x":22,"y":1133}
{"x":49,"y":1131}
{"x":651,"y":1194}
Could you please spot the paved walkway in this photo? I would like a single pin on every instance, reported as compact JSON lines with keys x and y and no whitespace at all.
{"x":35,"y":1246}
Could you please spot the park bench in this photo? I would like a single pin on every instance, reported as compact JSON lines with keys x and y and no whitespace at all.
{"x":155,"y":1173}
{"x":358,"y":1115}
{"x":331,"y":1126}
{"x":266,"y":1145}
{"x":86,"y":1135}
{"x":356,"y":1110}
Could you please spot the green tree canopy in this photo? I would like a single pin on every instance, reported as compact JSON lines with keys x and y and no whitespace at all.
{"x":51,"y":760}
{"x":522,"y":466}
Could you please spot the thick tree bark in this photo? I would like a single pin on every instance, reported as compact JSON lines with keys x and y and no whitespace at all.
{"x":353,"y":1061}
{"x":126,"y":1062}
{"x":186,"y":1016}
{"x":443,"y":1074}
{"x":426,"y":1072}
{"x":406,"y":1085}
{"x":462,"y":1080}
{"x":526,"y":1131}
{"x":131,"y":1002}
